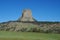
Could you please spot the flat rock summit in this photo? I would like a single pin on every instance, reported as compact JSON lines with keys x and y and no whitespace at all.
{"x":29,"y":24}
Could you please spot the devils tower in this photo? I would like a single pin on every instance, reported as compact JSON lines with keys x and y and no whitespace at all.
{"x":26,"y":16}
{"x":26,"y":23}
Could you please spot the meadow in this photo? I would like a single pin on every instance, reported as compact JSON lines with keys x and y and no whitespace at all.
{"x":5,"y":35}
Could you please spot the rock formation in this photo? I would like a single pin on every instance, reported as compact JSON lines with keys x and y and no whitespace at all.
{"x":29,"y":24}
{"x":26,"y":16}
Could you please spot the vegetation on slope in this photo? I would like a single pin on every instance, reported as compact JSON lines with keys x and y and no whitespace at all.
{"x":45,"y":27}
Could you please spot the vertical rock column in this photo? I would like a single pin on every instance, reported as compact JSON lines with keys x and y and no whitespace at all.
{"x":26,"y":16}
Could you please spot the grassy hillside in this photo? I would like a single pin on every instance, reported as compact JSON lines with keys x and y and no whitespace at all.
{"x":5,"y":35}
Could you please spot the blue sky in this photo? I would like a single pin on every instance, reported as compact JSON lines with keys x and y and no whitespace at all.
{"x":42,"y":10}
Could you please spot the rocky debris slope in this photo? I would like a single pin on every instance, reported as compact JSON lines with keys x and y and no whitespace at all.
{"x":16,"y":26}
{"x":46,"y":27}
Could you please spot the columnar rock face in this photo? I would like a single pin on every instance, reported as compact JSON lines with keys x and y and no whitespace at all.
{"x":26,"y":16}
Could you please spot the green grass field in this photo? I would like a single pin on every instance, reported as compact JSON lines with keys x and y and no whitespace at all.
{"x":5,"y":35}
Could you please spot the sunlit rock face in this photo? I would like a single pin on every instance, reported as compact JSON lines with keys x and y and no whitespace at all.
{"x":26,"y":16}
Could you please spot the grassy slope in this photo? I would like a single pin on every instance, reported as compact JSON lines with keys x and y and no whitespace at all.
{"x":27,"y":36}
